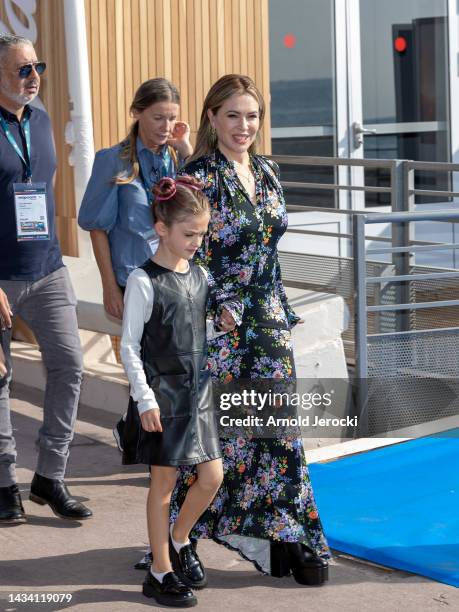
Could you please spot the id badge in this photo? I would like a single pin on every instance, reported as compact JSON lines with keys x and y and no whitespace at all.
{"x":31,"y":211}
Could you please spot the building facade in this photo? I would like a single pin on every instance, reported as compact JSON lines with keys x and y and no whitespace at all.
{"x":344,"y":78}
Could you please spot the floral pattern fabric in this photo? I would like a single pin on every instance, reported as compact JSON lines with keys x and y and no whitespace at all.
{"x":267,"y":492}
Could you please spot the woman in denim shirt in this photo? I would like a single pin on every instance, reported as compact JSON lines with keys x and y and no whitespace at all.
{"x":116,"y":207}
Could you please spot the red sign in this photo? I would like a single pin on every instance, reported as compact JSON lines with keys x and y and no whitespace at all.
{"x":400,"y":44}
{"x":289,"y":41}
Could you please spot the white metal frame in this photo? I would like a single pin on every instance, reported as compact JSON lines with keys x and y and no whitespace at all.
{"x":453,"y":56}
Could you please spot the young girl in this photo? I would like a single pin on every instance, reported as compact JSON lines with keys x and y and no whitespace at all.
{"x":164,"y":351}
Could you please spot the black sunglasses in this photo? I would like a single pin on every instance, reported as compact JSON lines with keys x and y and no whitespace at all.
{"x":26,"y":70}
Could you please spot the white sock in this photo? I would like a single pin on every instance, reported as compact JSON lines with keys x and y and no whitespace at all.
{"x":177,"y":545}
{"x":158,"y":575}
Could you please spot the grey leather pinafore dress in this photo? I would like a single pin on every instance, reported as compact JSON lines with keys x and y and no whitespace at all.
{"x":174,"y":355}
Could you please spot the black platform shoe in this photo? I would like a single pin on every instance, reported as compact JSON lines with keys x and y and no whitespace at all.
{"x":296,"y":558}
{"x":55,"y":493}
{"x":11,"y":508}
{"x":187,"y":565}
{"x":170,"y":592}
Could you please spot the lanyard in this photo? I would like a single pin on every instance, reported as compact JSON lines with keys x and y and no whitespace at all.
{"x":26,"y":125}
{"x":164,"y":170}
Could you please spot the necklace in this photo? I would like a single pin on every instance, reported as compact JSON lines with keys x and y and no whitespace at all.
{"x":247,"y":180}
{"x":184,"y":280}
{"x":247,"y":175}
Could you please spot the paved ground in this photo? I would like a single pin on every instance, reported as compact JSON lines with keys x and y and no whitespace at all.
{"x":92,"y":561}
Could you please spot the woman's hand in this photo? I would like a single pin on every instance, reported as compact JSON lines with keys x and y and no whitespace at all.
{"x":113,"y":301}
{"x":150,"y":420}
{"x":180,"y":139}
{"x":226,"y":322}
{"x":5,"y":311}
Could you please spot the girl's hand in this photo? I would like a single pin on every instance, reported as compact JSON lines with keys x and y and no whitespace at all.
{"x":150,"y":420}
{"x":180,"y":139}
{"x":226,"y":323}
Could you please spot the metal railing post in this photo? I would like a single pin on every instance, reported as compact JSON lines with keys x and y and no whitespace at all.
{"x":360,"y":306}
{"x":402,"y":234}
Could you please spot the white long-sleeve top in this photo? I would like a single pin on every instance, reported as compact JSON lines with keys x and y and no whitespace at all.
{"x":138,"y":306}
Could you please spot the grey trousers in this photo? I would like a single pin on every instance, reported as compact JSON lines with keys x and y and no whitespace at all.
{"x":48,"y":306}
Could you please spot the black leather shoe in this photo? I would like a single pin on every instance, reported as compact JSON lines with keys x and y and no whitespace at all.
{"x":170,"y":592}
{"x":55,"y":493}
{"x":188,"y":566}
{"x":146,"y":561}
{"x":307,"y":567}
{"x":11,"y":508}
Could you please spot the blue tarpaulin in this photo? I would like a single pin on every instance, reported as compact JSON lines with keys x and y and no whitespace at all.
{"x":397,"y":506}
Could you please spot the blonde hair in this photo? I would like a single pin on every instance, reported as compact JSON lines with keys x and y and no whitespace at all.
{"x":227,"y":86}
{"x":177,"y":199}
{"x":150,"y":92}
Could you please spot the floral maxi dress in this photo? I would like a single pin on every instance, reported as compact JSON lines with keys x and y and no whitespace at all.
{"x":267,"y":494}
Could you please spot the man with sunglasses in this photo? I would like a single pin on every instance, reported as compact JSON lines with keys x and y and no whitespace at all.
{"x":34,"y":284}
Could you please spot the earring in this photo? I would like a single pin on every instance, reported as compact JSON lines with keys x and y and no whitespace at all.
{"x":213,"y":135}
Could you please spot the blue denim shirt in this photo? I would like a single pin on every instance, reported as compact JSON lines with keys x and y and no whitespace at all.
{"x":124,"y":211}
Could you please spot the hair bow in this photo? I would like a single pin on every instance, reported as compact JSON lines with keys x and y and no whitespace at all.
{"x":172,"y":185}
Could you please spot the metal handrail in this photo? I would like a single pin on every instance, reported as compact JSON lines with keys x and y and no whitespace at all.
{"x":408,"y":217}
{"x":303,"y":160}
{"x":406,"y":168}
{"x":432,"y":246}
{"x":403,"y":267}
{"x":430,"y":165}
{"x":335,"y":211}
{"x":413,"y":306}
{"x":335,"y":187}
{"x":410,"y":277}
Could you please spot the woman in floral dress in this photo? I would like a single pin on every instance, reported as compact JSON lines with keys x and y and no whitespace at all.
{"x":265,"y":508}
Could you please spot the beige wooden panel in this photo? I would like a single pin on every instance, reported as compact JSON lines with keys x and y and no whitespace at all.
{"x":144,"y":35}
{"x":192,"y":42}
{"x":181,"y":55}
{"x":135,"y":41}
{"x":111,"y":68}
{"x":104,"y":61}
{"x":117,"y":46}
{"x":206,"y":49}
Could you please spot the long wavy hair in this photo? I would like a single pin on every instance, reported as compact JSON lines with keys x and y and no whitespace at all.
{"x":221,"y":90}
{"x":150,"y":92}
